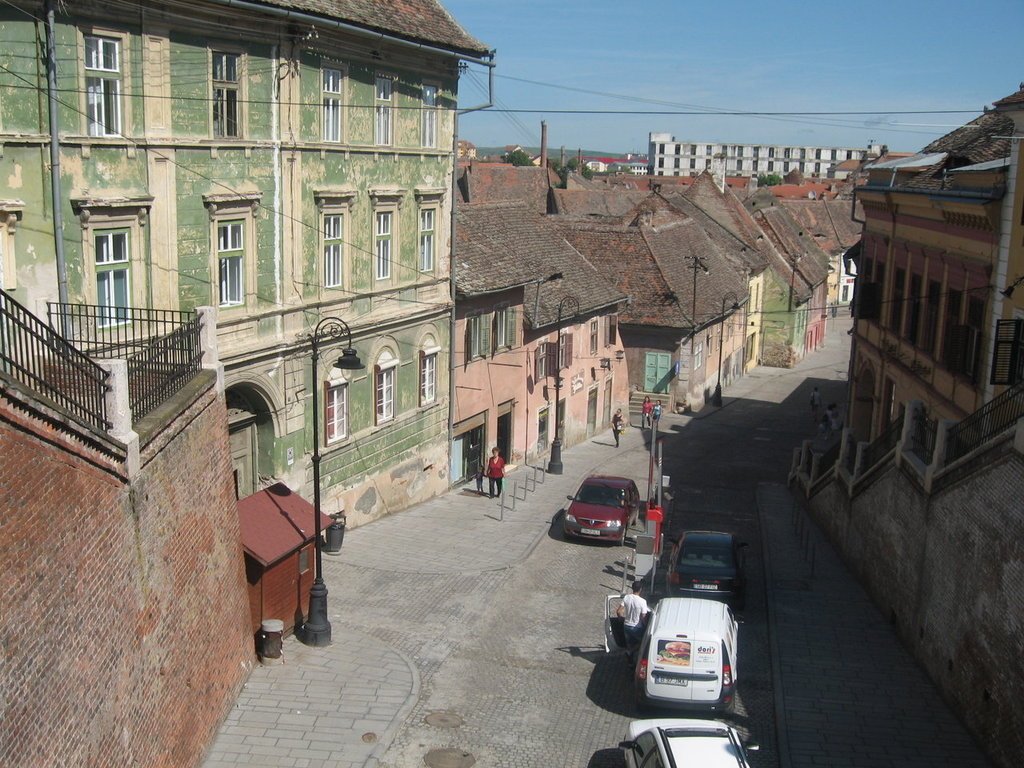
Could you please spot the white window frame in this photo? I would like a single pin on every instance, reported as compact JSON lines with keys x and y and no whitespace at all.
{"x":505,"y":336}
{"x":698,"y":355}
{"x":332,"y":232}
{"x":220,"y":95}
{"x":428,"y":129}
{"x":383,"y":110}
{"x":332,"y":86}
{"x":10,"y":213}
{"x":109,"y":261}
{"x":383,"y":243}
{"x":231,"y":266}
{"x":428,"y":239}
{"x":428,"y":376}
{"x":103,"y":92}
{"x":335,"y":411}
{"x":595,"y":335}
{"x":384,"y":381}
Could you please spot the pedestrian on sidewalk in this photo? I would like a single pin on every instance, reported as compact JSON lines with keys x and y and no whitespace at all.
{"x":634,"y":612}
{"x":479,"y":479}
{"x":815,"y":404}
{"x":656,"y":412}
{"x":645,"y":412}
{"x":495,"y":472}
{"x":835,"y":422}
{"x":618,"y":426}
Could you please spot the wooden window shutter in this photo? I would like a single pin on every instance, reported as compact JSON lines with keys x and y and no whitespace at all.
{"x":539,"y":354}
{"x":868,"y":301}
{"x":420,"y":387}
{"x":1006,"y":356}
{"x":568,"y":349}
{"x":485,"y":335}
{"x":613,"y":325}
{"x":551,"y":351}
{"x":511,"y":327}
{"x":469,"y":339}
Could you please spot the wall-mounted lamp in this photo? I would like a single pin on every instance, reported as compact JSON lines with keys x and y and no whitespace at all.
{"x":606,"y":363}
{"x":620,"y":354}
{"x":1008,"y":290}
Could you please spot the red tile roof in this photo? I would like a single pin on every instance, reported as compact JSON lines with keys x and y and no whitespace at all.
{"x":424,"y":21}
{"x":1011,"y":100}
{"x":275,"y":522}
{"x":500,"y":182}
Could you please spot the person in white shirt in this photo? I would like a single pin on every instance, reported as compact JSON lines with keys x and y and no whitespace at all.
{"x":634,"y":611}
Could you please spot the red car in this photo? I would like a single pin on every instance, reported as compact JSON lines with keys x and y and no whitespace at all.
{"x":603,"y":508}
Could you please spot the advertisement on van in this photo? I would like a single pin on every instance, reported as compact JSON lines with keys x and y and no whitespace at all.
{"x":683,"y":653}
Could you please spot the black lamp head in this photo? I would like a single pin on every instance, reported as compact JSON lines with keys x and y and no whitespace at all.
{"x":349,"y":360}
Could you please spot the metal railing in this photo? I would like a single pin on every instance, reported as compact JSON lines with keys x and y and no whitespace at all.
{"x":883,"y":444}
{"x":828,"y":460}
{"x":162,"y":346}
{"x":922,"y":436}
{"x":851,"y":452}
{"x":996,"y":416}
{"x":45,"y":363}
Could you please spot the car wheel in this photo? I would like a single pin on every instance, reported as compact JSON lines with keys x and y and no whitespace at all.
{"x":622,"y":538}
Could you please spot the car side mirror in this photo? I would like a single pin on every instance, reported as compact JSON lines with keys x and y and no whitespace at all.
{"x":752,"y":747}
{"x":569,"y":498}
{"x":627,"y":744}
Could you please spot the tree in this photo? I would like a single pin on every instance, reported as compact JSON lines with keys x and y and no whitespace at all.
{"x":518,"y":157}
{"x":768,"y":179}
{"x":570,"y":166}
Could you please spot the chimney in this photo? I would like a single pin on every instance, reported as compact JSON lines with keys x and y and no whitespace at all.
{"x":543,"y":143}
{"x":579,"y":161}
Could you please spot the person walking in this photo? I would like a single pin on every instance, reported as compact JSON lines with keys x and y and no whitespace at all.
{"x":495,"y":472}
{"x":634,"y":611}
{"x":618,"y":425}
{"x":656,"y":412}
{"x":815,"y":404}
{"x":645,"y":412}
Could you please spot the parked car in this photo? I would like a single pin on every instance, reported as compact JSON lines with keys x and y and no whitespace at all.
{"x":708,"y":564}
{"x":663,"y":743}
{"x":603,"y":508}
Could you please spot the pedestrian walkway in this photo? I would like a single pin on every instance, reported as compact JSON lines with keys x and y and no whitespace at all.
{"x":340,"y":706}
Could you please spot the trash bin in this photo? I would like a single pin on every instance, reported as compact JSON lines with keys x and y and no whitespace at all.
{"x":271,"y":631}
{"x":335,"y":535}
{"x":655,"y":517}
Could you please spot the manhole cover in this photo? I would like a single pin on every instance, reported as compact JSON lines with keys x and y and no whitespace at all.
{"x":443,"y":720}
{"x":369,"y":737}
{"x":449,"y":758}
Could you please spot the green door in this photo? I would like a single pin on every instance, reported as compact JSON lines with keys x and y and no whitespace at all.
{"x":656,"y":369}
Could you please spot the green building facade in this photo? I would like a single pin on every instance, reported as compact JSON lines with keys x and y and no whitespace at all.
{"x":273,"y":162}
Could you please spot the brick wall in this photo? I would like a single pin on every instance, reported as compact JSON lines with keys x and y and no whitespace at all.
{"x":948,"y":570}
{"x":125,"y":634}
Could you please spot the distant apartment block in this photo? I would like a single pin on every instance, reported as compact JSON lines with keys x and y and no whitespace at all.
{"x":669,"y":157}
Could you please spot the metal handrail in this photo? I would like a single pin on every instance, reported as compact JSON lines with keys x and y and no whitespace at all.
{"x":162,"y":346}
{"x":922,"y":436}
{"x":996,"y":416}
{"x":46,"y":364}
{"x":883,"y":444}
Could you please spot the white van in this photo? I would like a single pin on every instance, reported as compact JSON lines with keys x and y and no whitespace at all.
{"x":687,"y":658}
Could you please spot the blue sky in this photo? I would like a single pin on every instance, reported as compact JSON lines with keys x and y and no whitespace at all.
{"x":672,"y":55}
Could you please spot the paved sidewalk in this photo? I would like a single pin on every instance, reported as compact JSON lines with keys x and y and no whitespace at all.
{"x":341,"y":706}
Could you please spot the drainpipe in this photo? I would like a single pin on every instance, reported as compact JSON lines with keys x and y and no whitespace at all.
{"x":58,"y":211}
{"x":451,"y":253}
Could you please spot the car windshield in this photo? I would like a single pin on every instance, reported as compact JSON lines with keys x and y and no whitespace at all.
{"x":604,"y":495}
{"x":704,"y":556}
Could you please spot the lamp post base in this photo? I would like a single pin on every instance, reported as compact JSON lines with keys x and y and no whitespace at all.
{"x":317,"y":629}
{"x":716,"y":398}
{"x":555,"y":462}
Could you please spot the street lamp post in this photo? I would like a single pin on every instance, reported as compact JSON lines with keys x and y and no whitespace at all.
{"x":717,"y":397}
{"x":317,"y":629}
{"x":555,"y":462}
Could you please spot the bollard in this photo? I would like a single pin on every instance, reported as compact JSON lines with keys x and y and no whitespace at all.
{"x":271,"y":631}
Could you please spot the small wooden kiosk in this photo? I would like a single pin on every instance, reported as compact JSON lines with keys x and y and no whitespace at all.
{"x":278,"y":528}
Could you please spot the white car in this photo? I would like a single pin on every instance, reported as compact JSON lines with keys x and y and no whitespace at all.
{"x":673,"y":742}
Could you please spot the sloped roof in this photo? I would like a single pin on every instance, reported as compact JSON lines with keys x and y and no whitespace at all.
{"x":500,"y":245}
{"x":501,"y":182}
{"x":799,"y":260}
{"x":275,"y":522}
{"x":827,"y":221}
{"x":980,"y":141}
{"x":421,"y":21}
{"x":1012,"y":100}
{"x":605,"y":202}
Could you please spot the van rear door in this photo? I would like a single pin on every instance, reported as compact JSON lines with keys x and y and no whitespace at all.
{"x":671,"y":667}
{"x":707,"y":670}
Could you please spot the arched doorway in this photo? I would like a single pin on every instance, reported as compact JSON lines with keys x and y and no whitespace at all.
{"x":251,"y":437}
{"x":863,"y":415}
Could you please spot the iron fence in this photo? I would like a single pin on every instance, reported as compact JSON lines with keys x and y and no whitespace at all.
{"x":44,"y":362}
{"x":162,"y":346}
{"x":828,"y":459}
{"x":996,"y":416}
{"x":883,"y":444}
{"x":851,"y":452}
{"x":922,"y":436}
